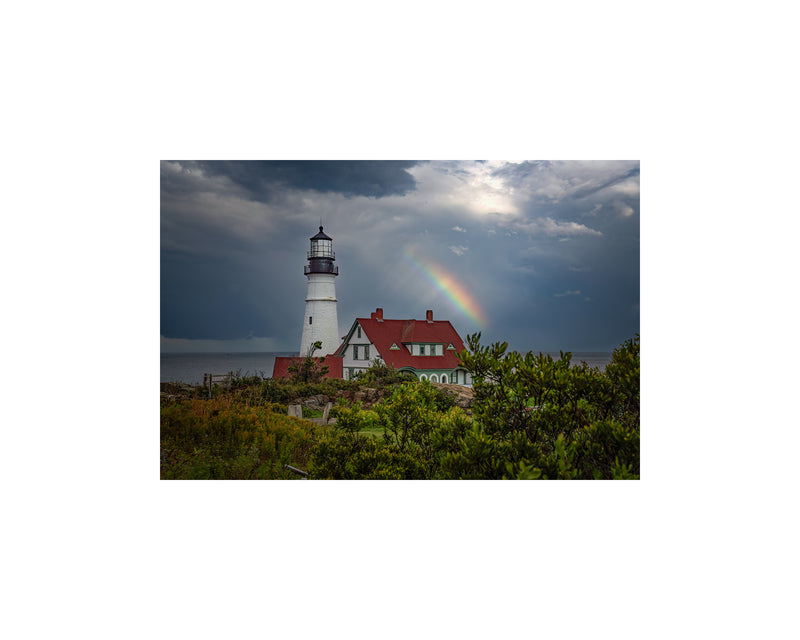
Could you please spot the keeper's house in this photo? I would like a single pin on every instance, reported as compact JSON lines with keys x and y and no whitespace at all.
{"x":426,"y":348}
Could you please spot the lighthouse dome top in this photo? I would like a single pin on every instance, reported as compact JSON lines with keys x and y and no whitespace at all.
{"x":321,"y":235}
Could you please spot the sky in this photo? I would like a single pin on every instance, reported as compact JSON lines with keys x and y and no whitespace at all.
{"x":541,"y":254}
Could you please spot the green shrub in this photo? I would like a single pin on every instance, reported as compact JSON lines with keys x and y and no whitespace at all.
{"x":533,"y":417}
{"x":381,"y":375}
{"x":561,"y":421}
{"x":220,"y":438}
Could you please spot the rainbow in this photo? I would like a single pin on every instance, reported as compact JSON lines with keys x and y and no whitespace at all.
{"x":457,"y":293}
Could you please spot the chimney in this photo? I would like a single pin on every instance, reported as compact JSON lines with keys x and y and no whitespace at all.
{"x":377,"y":315}
{"x":429,"y":315}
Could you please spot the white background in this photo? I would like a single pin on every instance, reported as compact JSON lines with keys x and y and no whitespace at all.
{"x":96,"y":94}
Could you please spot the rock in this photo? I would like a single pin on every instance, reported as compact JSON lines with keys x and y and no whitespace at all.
{"x":366,"y":396}
{"x":462,"y":396}
{"x":316,"y":403}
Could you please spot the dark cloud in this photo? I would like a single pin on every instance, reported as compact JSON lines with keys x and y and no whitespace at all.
{"x":374,"y":179}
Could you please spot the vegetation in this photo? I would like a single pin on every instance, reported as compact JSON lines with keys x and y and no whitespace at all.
{"x":308,"y":369}
{"x":381,"y":375}
{"x":536,"y":417}
{"x":222,"y":438}
{"x":532,"y":417}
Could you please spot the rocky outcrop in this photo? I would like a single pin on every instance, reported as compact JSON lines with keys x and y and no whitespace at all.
{"x":462,"y":396}
{"x":316,"y":403}
{"x":368,"y":397}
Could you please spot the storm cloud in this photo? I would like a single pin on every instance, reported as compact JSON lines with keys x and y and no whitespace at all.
{"x":262,"y":180}
{"x":548,"y":250}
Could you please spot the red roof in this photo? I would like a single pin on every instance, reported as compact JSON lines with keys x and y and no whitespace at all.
{"x":383,"y":333}
{"x":282,"y":364}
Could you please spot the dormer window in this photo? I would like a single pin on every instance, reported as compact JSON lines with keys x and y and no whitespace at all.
{"x":394,"y":347}
{"x":450,"y":347}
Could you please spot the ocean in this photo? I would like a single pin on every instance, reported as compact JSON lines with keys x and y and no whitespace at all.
{"x":190,"y":367}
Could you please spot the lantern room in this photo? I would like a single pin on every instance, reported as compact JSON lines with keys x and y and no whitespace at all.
{"x":321,"y":246}
{"x":321,"y":255}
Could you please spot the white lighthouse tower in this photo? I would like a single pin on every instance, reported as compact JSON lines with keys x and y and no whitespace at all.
{"x":321,"y":322}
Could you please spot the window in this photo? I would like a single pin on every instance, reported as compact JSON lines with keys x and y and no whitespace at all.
{"x":423,"y":377}
{"x":309,"y":319}
{"x":422,"y":349}
{"x":366,"y":352}
{"x":359,"y":331}
{"x":444,"y":378}
{"x":394,"y":347}
{"x":434,"y":378}
{"x":355,"y":352}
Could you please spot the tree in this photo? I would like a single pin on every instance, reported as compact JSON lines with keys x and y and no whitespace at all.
{"x":309,"y":369}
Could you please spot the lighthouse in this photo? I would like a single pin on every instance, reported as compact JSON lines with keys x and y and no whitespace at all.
{"x":320,"y":323}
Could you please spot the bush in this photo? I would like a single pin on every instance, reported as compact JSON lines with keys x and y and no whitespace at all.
{"x":415,"y":433}
{"x":552,"y":420}
{"x":533,"y":417}
{"x":381,"y":375}
{"x":220,"y":438}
